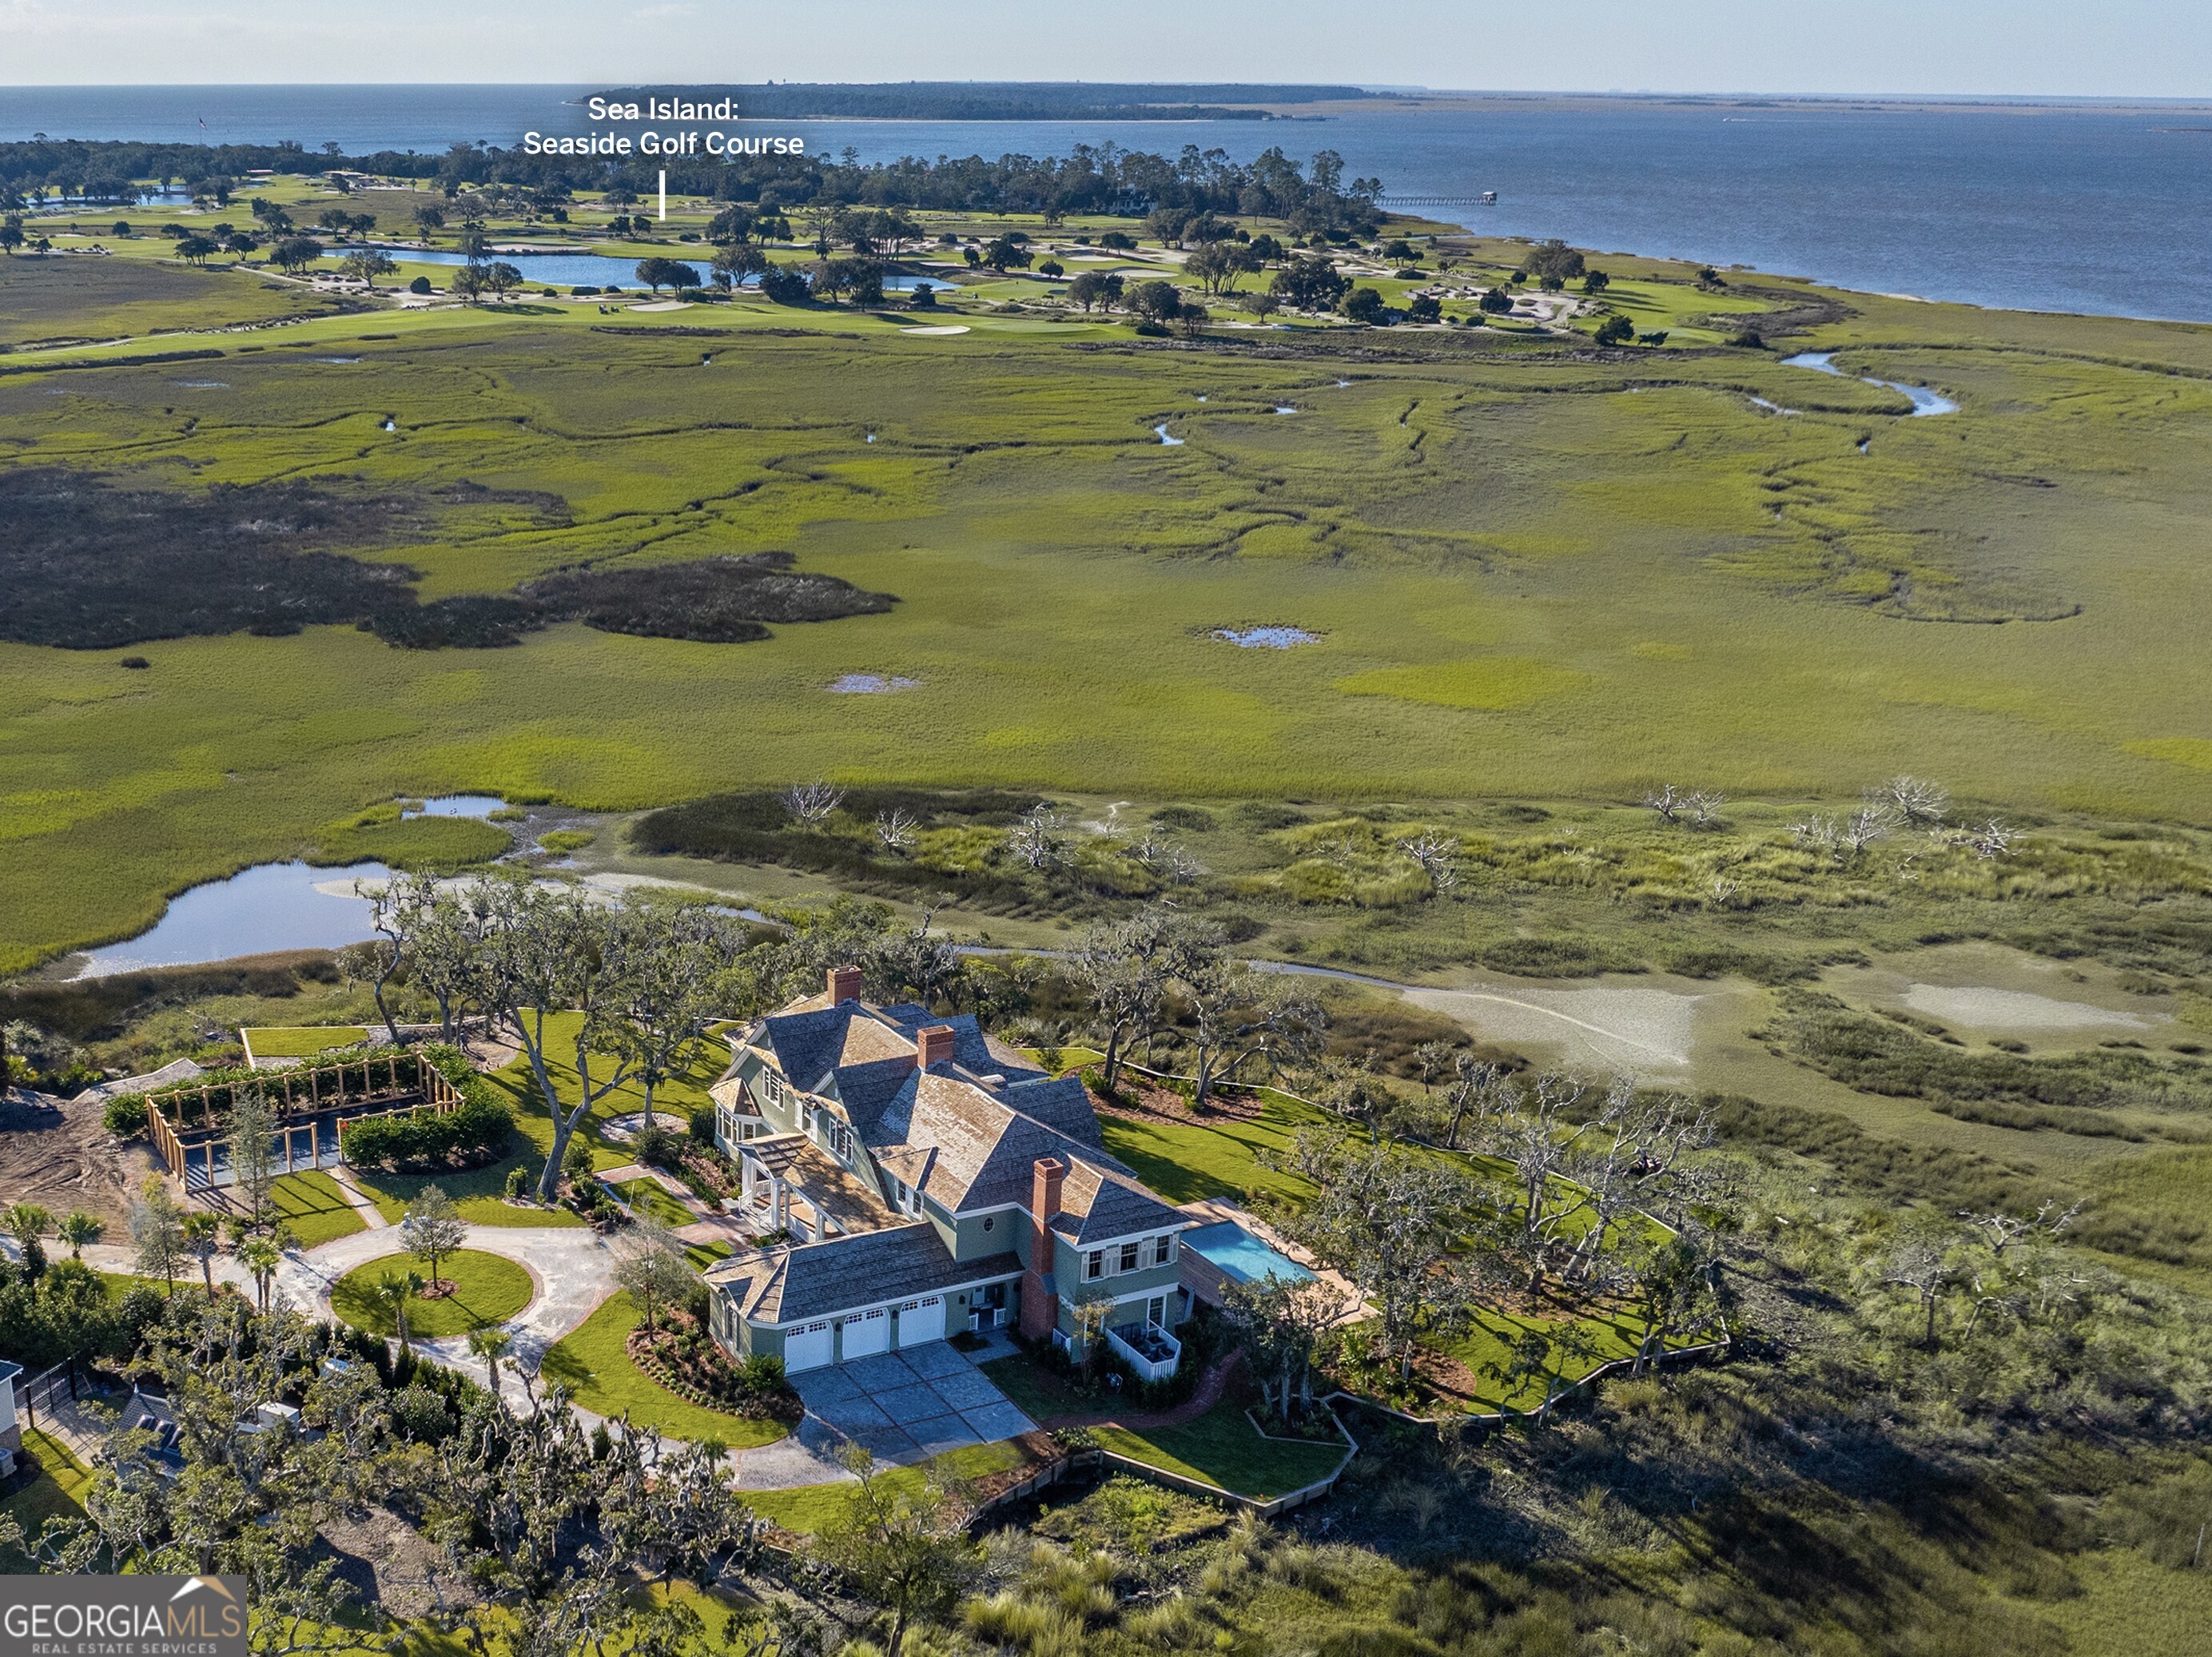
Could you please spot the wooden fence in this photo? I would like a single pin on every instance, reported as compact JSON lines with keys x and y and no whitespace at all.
{"x":303,"y":1100}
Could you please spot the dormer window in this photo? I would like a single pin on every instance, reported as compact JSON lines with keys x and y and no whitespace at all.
{"x":841,"y":1140}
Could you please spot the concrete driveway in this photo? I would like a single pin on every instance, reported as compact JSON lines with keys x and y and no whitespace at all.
{"x":908,"y":1405}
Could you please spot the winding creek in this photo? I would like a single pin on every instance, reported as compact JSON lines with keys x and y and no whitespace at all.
{"x":1924,"y":400}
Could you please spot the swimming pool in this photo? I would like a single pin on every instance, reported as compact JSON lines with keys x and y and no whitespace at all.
{"x":1238,"y":1252}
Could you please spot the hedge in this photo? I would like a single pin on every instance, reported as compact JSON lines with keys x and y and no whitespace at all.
{"x":415,"y":1141}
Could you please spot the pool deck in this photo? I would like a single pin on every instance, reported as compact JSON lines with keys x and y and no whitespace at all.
{"x":1206,"y":1285}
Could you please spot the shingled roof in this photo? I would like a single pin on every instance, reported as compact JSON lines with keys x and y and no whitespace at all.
{"x":814,"y":1279}
{"x":969,"y":1130}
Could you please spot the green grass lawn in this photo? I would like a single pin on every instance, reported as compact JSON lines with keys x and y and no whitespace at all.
{"x":702,"y":1255}
{"x":811,"y":1508}
{"x":1185,"y":1161}
{"x":592,"y":1363}
{"x":489,"y":1288}
{"x":316,"y":1210}
{"x":1037,"y":1392}
{"x":479,"y":1194}
{"x":56,"y":1493}
{"x":297,"y":1041}
{"x":646,"y":1196}
{"x":1608,"y":1339}
{"x":1222,"y":1448}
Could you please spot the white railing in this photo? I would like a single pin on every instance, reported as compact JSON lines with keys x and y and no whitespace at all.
{"x":1147,"y":1348}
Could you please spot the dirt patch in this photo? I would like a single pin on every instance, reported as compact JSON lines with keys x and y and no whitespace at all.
{"x":389,"y":1563}
{"x":1139,"y":1098}
{"x":63,"y":1159}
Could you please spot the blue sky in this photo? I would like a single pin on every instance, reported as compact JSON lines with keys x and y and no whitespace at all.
{"x":2115,"y":48}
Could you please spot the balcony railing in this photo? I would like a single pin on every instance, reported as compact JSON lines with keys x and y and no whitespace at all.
{"x":1147,"y":1348}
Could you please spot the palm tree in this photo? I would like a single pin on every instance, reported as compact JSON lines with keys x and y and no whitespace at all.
{"x":203,"y":1238}
{"x":261,"y":1257}
{"x":25,"y":1223}
{"x":78,"y":1229}
{"x":394,"y":1289}
{"x":491,"y":1345}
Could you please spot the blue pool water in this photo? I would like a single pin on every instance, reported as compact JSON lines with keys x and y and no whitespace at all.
{"x":1243,"y":1256}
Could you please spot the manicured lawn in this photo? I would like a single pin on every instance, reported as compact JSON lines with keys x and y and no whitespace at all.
{"x":301,"y":1041}
{"x":489,"y":1288}
{"x":646,"y":1195}
{"x":1037,"y":1392}
{"x":811,"y":1509}
{"x":315,"y":1209}
{"x":120,"y":1283}
{"x":1222,"y":1448}
{"x":479,"y":1194}
{"x":56,"y":1493}
{"x":592,"y":1363}
{"x":1185,"y":1161}
{"x":702,"y":1255}
{"x":1484,"y":1346}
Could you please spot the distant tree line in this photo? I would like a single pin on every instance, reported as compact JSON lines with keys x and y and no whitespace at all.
{"x":1314,"y":196}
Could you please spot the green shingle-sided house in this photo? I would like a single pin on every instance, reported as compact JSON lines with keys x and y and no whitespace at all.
{"x":929,"y":1180}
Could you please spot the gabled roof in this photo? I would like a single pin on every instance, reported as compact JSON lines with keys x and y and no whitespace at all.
{"x":969,"y":1130}
{"x":811,"y":1038}
{"x":817,"y":1280}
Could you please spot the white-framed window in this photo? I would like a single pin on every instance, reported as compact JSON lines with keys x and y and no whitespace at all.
{"x":841,"y":1139}
{"x":990,"y":1221}
{"x":1156,"y":1310}
{"x":1163,"y":1249}
{"x":1094,"y":1265}
{"x":1131,"y":1252}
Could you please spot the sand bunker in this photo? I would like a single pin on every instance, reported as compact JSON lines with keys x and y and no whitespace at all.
{"x":1979,"y":1009}
{"x":1644,"y":1031}
{"x":939,"y":332}
{"x":872,"y":684}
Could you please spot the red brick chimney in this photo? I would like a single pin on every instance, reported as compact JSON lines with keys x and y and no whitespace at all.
{"x":934,"y":1046}
{"x":844,"y":984}
{"x":1040,"y":1307}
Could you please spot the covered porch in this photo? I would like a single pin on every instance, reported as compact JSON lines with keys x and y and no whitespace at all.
{"x":788,"y":1184}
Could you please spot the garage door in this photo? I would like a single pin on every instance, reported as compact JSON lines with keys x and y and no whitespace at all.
{"x":807,"y":1348}
{"x":921,"y":1321}
{"x":868,"y":1334}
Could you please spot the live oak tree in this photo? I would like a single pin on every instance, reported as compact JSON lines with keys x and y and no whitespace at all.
{"x":1282,"y":1323}
{"x":678,"y":985}
{"x":546,"y":950}
{"x":1390,"y":1220}
{"x":901,"y":1549}
{"x":1232,"y":1014}
{"x":1124,"y":964}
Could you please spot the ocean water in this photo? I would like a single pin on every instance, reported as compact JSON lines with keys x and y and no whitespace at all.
{"x":2077,"y":208}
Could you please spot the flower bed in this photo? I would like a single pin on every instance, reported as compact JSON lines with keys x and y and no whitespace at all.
{"x":680,"y":1356}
